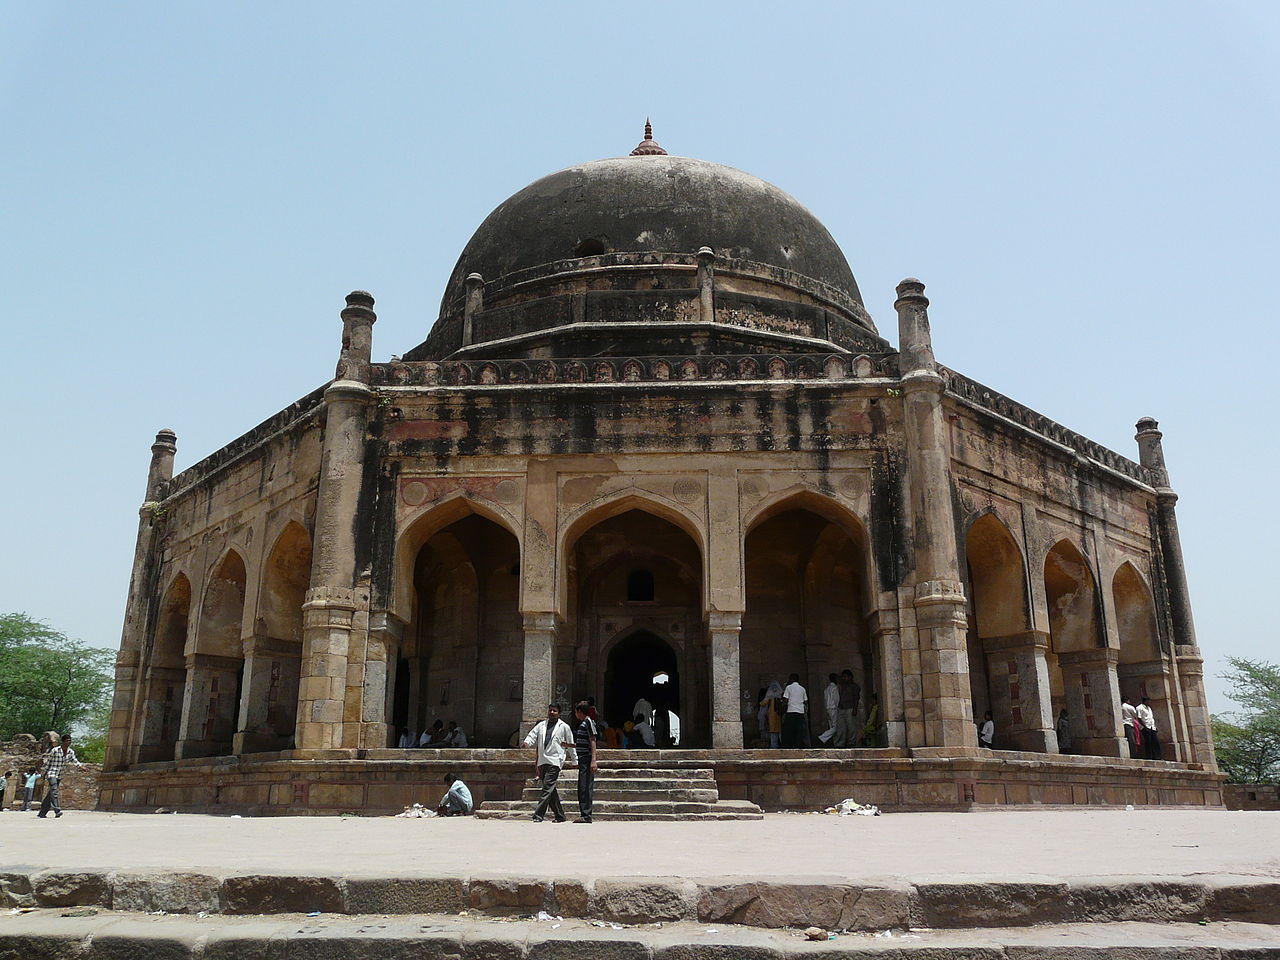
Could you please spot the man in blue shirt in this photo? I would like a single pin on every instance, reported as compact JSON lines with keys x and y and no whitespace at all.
{"x":457,"y":799}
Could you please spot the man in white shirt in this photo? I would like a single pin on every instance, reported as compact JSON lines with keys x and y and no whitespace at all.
{"x":831,"y":700}
{"x":1132,"y":732}
{"x":1150,"y":738}
{"x":454,"y":737}
{"x":550,"y":738}
{"x":457,"y":799}
{"x":793,"y":723}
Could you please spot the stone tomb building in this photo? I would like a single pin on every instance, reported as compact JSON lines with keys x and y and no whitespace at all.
{"x":654,"y":432}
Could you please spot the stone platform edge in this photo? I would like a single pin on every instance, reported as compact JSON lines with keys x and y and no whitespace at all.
{"x":39,"y":936}
{"x":819,"y":901}
{"x":385,"y":781}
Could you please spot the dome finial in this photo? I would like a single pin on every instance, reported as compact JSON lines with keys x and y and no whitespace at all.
{"x":648,"y":147}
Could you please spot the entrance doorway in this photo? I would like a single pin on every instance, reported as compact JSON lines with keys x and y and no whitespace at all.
{"x":644,"y":667}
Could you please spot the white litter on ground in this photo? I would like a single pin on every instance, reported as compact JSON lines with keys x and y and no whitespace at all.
{"x":417,"y":810}
{"x":851,"y":808}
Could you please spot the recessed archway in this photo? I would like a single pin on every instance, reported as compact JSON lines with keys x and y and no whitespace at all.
{"x":1141,"y":669}
{"x":462,"y":658}
{"x":807,"y":600}
{"x":1079,"y":674}
{"x":643,"y":667}
{"x":637,"y":575}
{"x":165,"y":675}
{"x":216,"y":670}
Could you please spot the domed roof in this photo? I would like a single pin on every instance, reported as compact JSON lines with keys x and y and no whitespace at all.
{"x":651,"y":203}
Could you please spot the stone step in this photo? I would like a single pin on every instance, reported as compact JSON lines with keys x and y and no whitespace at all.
{"x":604,"y":792}
{"x":45,"y":935}
{"x":665,"y":809}
{"x":752,"y":901}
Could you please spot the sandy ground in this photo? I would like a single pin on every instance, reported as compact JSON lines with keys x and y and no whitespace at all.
{"x":912,"y":846}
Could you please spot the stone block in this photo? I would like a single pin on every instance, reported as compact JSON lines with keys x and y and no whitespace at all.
{"x":170,"y":892}
{"x":88,"y":889}
{"x":405,"y":895}
{"x":15,"y":890}
{"x":1245,"y":900}
{"x":831,"y":906}
{"x":264,"y":893}
{"x":979,"y":904}
{"x":635,"y":901}
{"x":342,"y":796}
{"x":579,"y":945}
{"x":1136,"y":900}
{"x":572,"y":897}
{"x":133,"y":941}
{"x":734,"y":950}
{"x":507,"y":896}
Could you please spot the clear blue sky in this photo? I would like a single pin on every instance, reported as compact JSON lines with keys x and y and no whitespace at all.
{"x":1088,"y":189}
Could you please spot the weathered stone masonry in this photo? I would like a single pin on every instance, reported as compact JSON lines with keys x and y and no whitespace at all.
{"x":653,"y":429}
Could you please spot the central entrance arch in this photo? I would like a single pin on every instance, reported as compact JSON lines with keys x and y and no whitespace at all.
{"x":643,"y":666}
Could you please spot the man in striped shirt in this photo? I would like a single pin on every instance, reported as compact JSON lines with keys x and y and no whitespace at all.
{"x":55,"y":761}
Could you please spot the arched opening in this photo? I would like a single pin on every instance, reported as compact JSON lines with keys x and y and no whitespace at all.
{"x":642,"y":674}
{"x":216,"y":669}
{"x":166,"y":675}
{"x":1003,"y":674}
{"x":1141,"y":669}
{"x":463,"y":656}
{"x":806,"y":613}
{"x":590,"y":247}
{"x":663,"y":633}
{"x":1074,"y":643}
{"x":274,"y":666}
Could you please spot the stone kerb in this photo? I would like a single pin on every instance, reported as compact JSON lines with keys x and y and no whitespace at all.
{"x":822,"y":901}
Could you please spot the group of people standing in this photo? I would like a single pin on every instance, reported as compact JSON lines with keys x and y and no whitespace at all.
{"x":551,"y":739}
{"x":782,"y":714}
{"x":1140,"y":729}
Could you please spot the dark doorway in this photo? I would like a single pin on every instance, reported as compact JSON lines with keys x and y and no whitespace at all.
{"x":629,"y":676}
{"x":400,"y":703}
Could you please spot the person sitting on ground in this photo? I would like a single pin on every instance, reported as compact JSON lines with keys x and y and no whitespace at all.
{"x":407,"y":739}
{"x":1063,"y":729}
{"x":613,"y":738}
{"x":454,"y":737}
{"x":645,"y":707}
{"x":643,"y":732}
{"x":987,"y":732}
{"x":433,"y":736}
{"x":457,"y":799}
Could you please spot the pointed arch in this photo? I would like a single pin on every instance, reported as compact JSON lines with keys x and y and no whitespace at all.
{"x":421,"y":526}
{"x":1135,"y":615}
{"x":1071,"y":592}
{"x":997,"y":578}
{"x":286,"y":575}
{"x":215,"y":674}
{"x":165,"y":675}
{"x":222,"y":609}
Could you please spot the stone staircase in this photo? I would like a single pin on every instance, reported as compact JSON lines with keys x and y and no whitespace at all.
{"x":635,"y":793}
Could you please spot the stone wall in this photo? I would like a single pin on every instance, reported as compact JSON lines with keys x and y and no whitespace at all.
{"x":1251,"y":796}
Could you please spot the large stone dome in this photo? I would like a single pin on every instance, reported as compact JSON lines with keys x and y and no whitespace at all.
{"x":652,"y":204}
{"x":649,"y":254}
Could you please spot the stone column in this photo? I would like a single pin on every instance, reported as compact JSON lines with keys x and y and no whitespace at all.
{"x":1092,"y":690}
{"x":210,"y":706}
{"x":270,"y":688}
{"x":126,"y":700}
{"x":706,"y":285}
{"x":540,"y":633}
{"x":939,"y":601}
{"x":723,"y":630}
{"x":1021,"y":702}
{"x":332,"y":602}
{"x":1189,"y":662}
{"x":386,"y":632}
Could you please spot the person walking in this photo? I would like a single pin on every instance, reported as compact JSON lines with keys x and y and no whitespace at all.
{"x":847,"y":710}
{"x":830,"y":701}
{"x":550,"y":738}
{"x":1150,"y":737}
{"x":793,"y":723}
{"x":4,"y":787}
{"x":55,"y":762}
{"x":585,"y":736}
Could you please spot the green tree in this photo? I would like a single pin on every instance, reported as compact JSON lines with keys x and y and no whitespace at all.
{"x":49,"y":681}
{"x":1247,"y":742}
